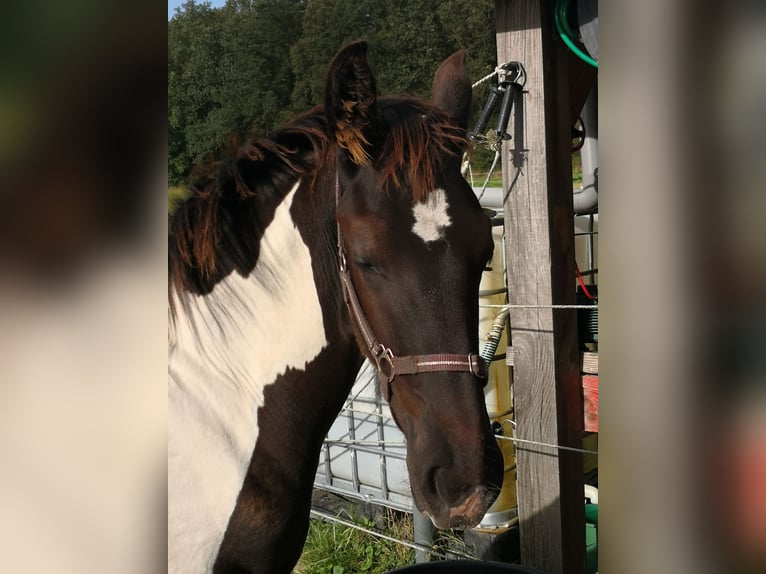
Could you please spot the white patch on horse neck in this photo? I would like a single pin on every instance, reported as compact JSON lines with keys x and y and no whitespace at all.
{"x":431,"y":218}
{"x":224,"y":350}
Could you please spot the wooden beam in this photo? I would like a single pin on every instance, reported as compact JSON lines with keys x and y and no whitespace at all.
{"x":539,"y":234}
{"x":588,"y":361}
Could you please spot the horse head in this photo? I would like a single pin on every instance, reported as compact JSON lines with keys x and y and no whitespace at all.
{"x":413,"y":242}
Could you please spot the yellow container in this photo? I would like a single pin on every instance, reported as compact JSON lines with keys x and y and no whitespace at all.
{"x":497,"y":392}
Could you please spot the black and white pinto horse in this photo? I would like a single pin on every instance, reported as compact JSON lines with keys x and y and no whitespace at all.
{"x":349,"y":233}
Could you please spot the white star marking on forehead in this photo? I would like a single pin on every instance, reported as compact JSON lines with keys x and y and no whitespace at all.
{"x":431,"y":218}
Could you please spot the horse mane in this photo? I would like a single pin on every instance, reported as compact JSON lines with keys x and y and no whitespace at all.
{"x":216,"y":230}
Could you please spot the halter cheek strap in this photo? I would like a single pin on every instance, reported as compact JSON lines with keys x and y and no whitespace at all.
{"x":388,"y":365}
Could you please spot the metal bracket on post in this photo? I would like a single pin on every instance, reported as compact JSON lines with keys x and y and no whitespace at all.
{"x":507,"y":76}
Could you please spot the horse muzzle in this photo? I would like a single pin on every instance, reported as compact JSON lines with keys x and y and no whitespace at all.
{"x":467,"y":513}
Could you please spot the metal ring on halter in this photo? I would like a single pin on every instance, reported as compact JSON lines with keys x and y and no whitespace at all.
{"x":384,"y":355}
{"x":477,"y":366}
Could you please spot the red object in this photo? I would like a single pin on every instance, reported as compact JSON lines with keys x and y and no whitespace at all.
{"x":590,"y":402}
{"x":582,"y":283}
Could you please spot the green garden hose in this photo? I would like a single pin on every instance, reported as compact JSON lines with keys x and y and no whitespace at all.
{"x":562,"y":27}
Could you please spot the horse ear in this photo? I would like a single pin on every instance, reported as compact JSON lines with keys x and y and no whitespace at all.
{"x":350,"y":98}
{"x":451,"y":89}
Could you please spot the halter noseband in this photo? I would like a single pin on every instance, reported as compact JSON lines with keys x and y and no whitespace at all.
{"x":388,"y":364}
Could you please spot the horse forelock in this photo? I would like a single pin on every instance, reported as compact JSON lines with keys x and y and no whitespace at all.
{"x":419,"y":140}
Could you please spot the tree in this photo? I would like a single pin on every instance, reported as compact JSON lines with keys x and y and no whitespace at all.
{"x":229,"y":73}
{"x":327,"y":26}
{"x":409,"y":45}
{"x":471,"y":27}
{"x":194,"y":52}
{"x":252,"y":64}
{"x":258,"y":77}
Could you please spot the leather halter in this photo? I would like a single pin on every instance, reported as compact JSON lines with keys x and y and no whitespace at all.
{"x":389,"y":366}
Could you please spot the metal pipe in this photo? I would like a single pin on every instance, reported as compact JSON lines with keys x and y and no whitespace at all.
{"x":327,"y":470}
{"x":491,"y":197}
{"x":352,"y":453}
{"x":382,"y":437}
{"x":423,"y":530}
{"x":586,"y":198}
{"x":371,"y":450}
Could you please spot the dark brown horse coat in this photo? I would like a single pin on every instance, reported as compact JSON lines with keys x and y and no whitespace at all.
{"x":262,"y":349}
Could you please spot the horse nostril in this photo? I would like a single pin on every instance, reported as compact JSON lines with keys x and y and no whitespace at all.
{"x":450,"y":491}
{"x":469,"y":512}
{"x":432,"y":483}
{"x":454,"y":501}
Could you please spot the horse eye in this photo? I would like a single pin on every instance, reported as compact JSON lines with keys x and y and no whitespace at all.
{"x":365,"y":265}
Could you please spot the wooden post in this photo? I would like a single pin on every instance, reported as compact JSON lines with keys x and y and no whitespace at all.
{"x":539,"y":235}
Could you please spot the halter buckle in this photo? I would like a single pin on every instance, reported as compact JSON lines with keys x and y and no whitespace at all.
{"x":384,"y":361}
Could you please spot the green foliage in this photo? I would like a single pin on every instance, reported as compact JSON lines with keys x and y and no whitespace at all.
{"x":327,"y":26}
{"x":229,"y":73}
{"x":249,"y":66}
{"x":409,"y":44}
{"x":194,"y":50}
{"x":576,"y":170}
{"x":258,"y":72}
{"x":337,"y":549}
{"x":176,"y":195}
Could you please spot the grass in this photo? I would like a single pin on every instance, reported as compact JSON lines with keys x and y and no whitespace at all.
{"x":337,"y":549}
{"x":576,"y":170}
